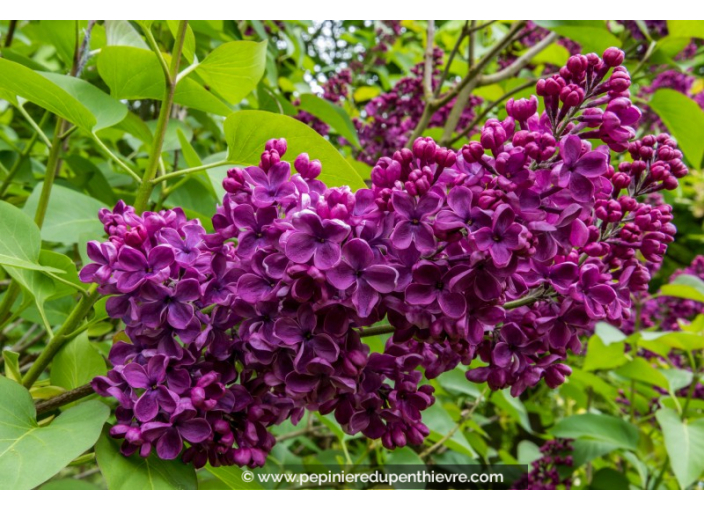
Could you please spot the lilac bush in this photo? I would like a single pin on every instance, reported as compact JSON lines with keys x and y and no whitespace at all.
{"x":496,"y":257}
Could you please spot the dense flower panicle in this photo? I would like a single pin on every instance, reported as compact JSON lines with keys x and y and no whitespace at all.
{"x":551,"y":471}
{"x":498,"y":255}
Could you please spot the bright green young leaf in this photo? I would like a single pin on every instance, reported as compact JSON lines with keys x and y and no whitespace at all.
{"x":68,"y":484}
{"x":331,"y":114}
{"x":189,"y":153}
{"x":70,"y":215}
{"x":137,"y":473}
{"x":189,"y":43}
{"x":592,"y":35}
{"x":76,"y":364}
{"x":608,"y":429}
{"x":248,"y":131}
{"x":233,"y":69}
{"x":686,"y":28}
{"x":232,"y":477}
{"x":685,"y":446}
{"x":640,"y":370}
{"x":601,"y":356}
{"x":31,"y":454}
{"x":608,"y":333}
{"x":134,"y":73}
{"x":685,"y":286}
{"x":674,"y":340}
{"x":684,"y":119}
{"x":32,"y":86}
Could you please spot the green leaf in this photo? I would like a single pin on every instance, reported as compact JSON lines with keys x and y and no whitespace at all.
{"x":137,"y":473}
{"x":107,"y":110}
{"x":685,"y":446}
{"x":70,"y":215}
{"x":586,"y":450}
{"x":684,"y":119}
{"x":31,"y":454}
{"x":608,"y":333}
{"x":440,"y":423}
{"x":233,"y":69}
{"x":68,"y":484}
{"x":609,"y":479}
{"x":134,"y":73}
{"x":121,"y":33}
{"x":248,"y":131}
{"x":20,"y":238}
{"x":640,"y":370}
{"x":686,"y":28}
{"x":592,"y":35}
{"x":12,"y":365}
{"x":331,"y":114}
{"x":32,"y":86}
{"x":76,"y":364}
{"x":607,"y":429}
{"x":6,"y":260}
{"x":674,"y":340}
{"x":513,"y":406}
{"x":232,"y":477}
{"x":685,"y":286}
{"x":601,"y":356}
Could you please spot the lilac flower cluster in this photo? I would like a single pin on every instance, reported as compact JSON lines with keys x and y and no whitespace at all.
{"x":552,"y":470}
{"x":389,"y":119}
{"x":497,"y":256}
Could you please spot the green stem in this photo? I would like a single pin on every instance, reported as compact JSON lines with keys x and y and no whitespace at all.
{"x":114,"y":157}
{"x":71,"y":323}
{"x":34,"y":125}
{"x":52,"y":166}
{"x":23,"y":156}
{"x":147,"y":186}
{"x":187,"y":171}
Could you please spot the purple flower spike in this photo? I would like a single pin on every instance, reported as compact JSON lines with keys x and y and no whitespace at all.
{"x":578,"y":171}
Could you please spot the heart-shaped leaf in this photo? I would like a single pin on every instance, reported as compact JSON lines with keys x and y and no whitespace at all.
{"x":31,"y":454}
{"x":248,"y":131}
{"x":685,"y":446}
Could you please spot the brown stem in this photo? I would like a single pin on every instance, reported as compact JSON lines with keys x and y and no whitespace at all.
{"x":377,"y":330}
{"x":63,"y":399}
{"x":10,"y":33}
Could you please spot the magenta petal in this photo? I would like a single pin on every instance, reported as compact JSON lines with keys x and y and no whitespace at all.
{"x":300,"y":247}
{"x":501,"y":355}
{"x":196,"y":430}
{"x":424,"y":237}
{"x":130,"y":259}
{"x":365,"y":298}
{"x":460,"y":200}
{"x":403,"y":203}
{"x":342,"y":277}
{"x":592,"y":164}
{"x":161,"y":257}
{"x":179,"y":314}
{"x":136,"y":376}
{"x":251,"y":288}
{"x":326,"y":348}
{"x":381,"y":278}
{"x":423,"y":295}
{"x":327,"y":255}
{"x":358,"y":254}
{"x":402,"y":236}
{"x":147,"y":406}
{"x":581,"y":187}
{"x":301,"y":383}
{"x":169,"y":445}
{"x":453,"y":304}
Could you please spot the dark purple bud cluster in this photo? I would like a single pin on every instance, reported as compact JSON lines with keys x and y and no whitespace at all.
{"x":551,"y":471}
{"x":498,"y":255}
